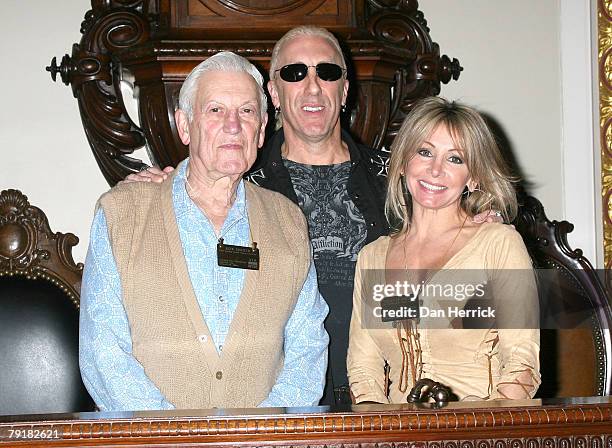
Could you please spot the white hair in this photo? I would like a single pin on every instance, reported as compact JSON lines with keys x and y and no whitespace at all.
{"x":224,"y":61}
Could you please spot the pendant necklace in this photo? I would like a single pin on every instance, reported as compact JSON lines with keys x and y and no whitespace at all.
{"x":407,"y":329}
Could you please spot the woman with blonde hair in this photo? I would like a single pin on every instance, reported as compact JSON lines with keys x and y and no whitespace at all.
{"x":445,"y":168}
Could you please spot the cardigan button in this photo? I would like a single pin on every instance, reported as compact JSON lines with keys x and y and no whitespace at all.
{"x":219,"y":375}
{"x":373,"y":224}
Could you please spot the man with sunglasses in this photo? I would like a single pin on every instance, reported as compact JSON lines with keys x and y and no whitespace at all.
{"x":338,"y":183}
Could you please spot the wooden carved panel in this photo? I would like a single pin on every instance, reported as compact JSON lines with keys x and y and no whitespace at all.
{"x":548,"y":246}
{"x":486,"y":425}
{"x":155,"y":44}
{"x":214,"y":14}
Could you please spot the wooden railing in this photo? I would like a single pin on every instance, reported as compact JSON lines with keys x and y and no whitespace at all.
{"x":578,"y":422}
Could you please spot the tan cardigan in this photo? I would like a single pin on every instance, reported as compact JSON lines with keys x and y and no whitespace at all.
{"x":458,"y":358}
{"x":169,"y":335}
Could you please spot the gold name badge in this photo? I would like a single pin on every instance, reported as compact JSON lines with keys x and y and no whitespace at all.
{"x":239,"y":257}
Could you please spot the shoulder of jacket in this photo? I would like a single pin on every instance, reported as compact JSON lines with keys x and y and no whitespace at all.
{"x":134,"y":195}
{"x":376,"y":160}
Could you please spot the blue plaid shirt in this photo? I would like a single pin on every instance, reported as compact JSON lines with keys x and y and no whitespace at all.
{"x":117,"y":381}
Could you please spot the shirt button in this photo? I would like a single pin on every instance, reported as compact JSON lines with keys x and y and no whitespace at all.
{"x":219,"y":375}
{"x":221,"y":299}
{"x":203,"y":338}
{"x":220,"y":347}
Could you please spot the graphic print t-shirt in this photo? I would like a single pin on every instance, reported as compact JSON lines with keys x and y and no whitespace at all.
{"x":338,"y":232}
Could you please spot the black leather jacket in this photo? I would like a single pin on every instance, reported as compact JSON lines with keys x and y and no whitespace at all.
{"x":367,"y":181}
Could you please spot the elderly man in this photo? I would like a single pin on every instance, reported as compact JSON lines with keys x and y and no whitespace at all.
{"x":200,"y":291}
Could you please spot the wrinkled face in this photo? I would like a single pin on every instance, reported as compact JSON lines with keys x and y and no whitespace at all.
{"x":310,"y":108}
{"x":227,"y":127}
{"x":437,"y":174}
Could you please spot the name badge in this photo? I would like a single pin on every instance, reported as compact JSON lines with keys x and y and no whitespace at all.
{"x":240,"y":257}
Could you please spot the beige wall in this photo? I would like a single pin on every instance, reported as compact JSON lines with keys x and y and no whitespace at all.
{"x":44,"y":150}
{"x":512,"y":74}
{"x":528,"y":64}
{"x":511,"y":71}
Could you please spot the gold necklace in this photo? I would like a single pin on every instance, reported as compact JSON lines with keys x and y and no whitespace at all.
{"x":410,"y":343}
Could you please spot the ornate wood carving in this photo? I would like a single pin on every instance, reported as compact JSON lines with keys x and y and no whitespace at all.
{"x":201,"y":14}
{"x":28,"y":247}
{"x":156,"y":43}
{"x":484,"y":426}
{"x":401,"y":24}
{"x":549,"y":249}
{"x":604,"y":13}
{"x":94,"y":74}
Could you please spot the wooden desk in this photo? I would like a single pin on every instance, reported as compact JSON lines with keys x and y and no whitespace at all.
{"x":578,"y":422}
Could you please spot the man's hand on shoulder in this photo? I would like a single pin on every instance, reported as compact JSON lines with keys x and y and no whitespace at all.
{"x":151,"y":174}
{"x":488,"y":216}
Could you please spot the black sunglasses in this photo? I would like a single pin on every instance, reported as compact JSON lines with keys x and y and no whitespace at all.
{"x":325,"y":71}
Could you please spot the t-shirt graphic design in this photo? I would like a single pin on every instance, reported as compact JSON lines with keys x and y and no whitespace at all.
{"x":337,"y":229}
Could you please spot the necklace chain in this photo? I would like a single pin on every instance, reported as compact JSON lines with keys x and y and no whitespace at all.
{"x":445,"y":252}
{"x":410,"y":340}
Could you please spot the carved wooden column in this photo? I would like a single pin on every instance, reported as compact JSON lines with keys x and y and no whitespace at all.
{"x":393,"y":63}
{"x":93,"y":71}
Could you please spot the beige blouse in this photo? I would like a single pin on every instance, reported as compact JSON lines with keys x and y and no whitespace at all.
{"x":472,"y":362}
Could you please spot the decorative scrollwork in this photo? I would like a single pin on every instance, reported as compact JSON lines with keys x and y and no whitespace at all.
{"x":401,"y":24}
{"x":548,"y":246}
{"x":605,"y":8}
{"x":395,"y":60}
{"x":28,"y":247}
{"x":92,"y":71}
{"x":19,"y":224}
